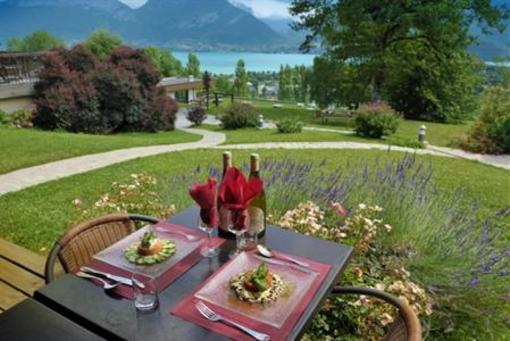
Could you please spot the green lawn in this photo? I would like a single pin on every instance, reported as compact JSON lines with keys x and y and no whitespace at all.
{"x":252,"y":135}
{"x":437,"y":133}
{"x":35,"y":217}
{"x":28,"y":147}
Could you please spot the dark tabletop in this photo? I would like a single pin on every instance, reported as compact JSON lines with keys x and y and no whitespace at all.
{"x":116,"y":318}
{"x":30,"y":320}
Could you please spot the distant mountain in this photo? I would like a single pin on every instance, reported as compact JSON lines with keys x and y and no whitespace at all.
{"x":172,"y":23}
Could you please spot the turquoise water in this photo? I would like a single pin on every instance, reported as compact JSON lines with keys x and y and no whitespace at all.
{"x":225,"y":62}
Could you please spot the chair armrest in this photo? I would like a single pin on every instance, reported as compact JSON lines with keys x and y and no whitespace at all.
{"x":410,"y":318}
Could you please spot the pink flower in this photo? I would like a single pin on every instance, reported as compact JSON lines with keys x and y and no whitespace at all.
{"x":338,"y":208}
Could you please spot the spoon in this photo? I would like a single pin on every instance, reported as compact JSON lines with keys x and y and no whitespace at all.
{"x":106,"y":285}
{"x":266,"y":252}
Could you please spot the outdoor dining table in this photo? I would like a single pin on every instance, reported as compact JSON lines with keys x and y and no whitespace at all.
{"x":31,"y":320}
{"x":116,"y":318}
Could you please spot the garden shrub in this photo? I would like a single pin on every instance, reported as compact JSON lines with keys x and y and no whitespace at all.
{"x":3,"y":117}
{"x":239,"y":115}
{"x":78,"y":93}
{"x":196,"y":114}
{"x":491,"y":132}
{"x":136,"y":195}
{"x":376,"y":120}
{"x":20,"y":118}
{"x":289,"y":125}
{"x":373,"y":265}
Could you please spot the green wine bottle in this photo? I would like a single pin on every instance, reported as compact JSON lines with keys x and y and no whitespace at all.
{"x":223,"y":231}
{"x":257,"y":209}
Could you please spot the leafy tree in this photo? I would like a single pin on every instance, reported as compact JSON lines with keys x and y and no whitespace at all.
{"x":102,"y":42}
{"x":165,"y":62}
{"x":421,"y":87}
{"x":335,"y":82}
{"x":222,"y":84}
{"x":193,"y":65}
{"x":80,"y":94}
{"x":285,"y":89}
{"x":301,"y":83}
{"x":369,"y":34}
{"x":206,"y":81}
{"x":241,"y":79}
{"x":34,"y":42}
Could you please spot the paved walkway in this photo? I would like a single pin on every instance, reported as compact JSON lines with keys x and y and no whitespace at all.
{"x":32,"y":176}
{"x":27,"y":177}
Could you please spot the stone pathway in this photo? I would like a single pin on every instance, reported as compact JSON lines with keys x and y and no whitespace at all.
{"x":27,"y":177}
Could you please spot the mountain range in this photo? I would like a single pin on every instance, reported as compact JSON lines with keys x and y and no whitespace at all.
{"x":178,"y":24}
{"x":198,"y":24}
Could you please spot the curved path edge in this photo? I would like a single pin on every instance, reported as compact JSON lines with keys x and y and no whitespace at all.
{"x":31,"y":176}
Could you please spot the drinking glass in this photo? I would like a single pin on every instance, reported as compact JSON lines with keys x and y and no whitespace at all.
{"x":145,"y":292}
{"x":238,"y":225}
{"x":208,"y":250}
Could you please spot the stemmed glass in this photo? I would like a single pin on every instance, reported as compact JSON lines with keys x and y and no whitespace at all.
{"x":209,"y":250}
{"x":238,"y":225}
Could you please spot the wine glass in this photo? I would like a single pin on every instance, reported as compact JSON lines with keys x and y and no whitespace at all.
{"x":208,"y":250}
{"x":238,"y":225}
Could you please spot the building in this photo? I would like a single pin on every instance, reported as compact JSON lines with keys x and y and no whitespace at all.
{"x":18,"y":74}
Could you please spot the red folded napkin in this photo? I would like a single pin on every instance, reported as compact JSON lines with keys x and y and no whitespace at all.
{"x":205,"y":196}
{"x":186,"y":309}
{"x":165,"y":279}
{"x":236,"y":194}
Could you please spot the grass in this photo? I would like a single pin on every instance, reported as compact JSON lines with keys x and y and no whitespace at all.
{"x":28,"y":147}
{"x":35,"y":217}
{"x":437,"y":133}
{"x":252,"y":135}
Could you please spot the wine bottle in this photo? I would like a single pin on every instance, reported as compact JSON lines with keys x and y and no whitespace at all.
{"x":257,"y":209}
{"x":223,"y":231}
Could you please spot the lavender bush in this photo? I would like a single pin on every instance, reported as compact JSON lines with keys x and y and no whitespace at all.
{"x":457,"y":253}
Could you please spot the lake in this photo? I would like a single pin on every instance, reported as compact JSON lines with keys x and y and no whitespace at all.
{"x":225,"y":62}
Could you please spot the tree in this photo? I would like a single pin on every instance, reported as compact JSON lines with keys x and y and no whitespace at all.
{"x":193,"y":66}
{"x":285,"y":84}
{"x":222,"y":84}
{"x":370,"y":34}
{"x":80,"y":94}
{"x":241,"y":79}
{"x":206,"y":81}
{"x":34,"y":42}
{"x":420,"y":87}
{"x":102,"y":42}
{"x":301,"y":80}
{"x":165,"y":62}
{"x":335,"y":82}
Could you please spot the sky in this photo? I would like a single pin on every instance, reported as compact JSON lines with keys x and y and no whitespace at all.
{"x":260,"y":8}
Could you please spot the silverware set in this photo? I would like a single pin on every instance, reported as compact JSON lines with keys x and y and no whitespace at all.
{"x":90,"y":273}
{"x":212,"y":316}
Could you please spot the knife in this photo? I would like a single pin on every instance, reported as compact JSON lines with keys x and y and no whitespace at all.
{"x":290,"y":265}
{"x":120,"y":279}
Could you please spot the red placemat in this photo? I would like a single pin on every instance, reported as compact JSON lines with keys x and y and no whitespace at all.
{"x":186,"y":310}
{"x":166,"y":278}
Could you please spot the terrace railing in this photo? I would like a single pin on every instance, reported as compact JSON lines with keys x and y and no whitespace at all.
{"x":19,"y":67}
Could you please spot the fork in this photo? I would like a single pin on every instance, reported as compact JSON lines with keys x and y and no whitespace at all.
{"x":106,"y":285}
{"x":212,"y":316}
{"x":189,"y":237}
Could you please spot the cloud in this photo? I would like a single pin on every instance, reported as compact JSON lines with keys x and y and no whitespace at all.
{"x":266,"y":8}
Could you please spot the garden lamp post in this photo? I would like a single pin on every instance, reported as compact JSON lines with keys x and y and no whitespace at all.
{"x":422,"y":133}
{"x":260,"y":122}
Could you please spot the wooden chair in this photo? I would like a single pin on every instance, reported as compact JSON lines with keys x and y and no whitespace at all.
{"x":78,"y":244}
{"x":405,"y":327}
